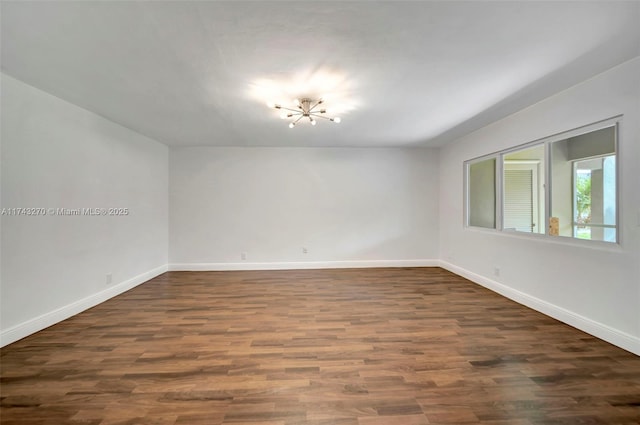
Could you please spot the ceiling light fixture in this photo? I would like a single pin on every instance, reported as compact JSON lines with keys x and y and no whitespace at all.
{"x":305,"y":108}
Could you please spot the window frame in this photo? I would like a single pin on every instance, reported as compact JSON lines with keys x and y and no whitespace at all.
{"x":499,"y":156}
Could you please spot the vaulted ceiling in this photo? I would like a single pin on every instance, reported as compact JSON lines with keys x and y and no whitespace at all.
{"x":398,"y":73}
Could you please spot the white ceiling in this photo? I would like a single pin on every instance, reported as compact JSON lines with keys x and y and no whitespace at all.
{"x":398,"y":73}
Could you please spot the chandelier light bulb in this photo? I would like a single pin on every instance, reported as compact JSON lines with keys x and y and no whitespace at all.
{"x":291,"y":125}
{"x":283,"y":115}
{"x":271,"y":105}
{"x":336,"y":120}
{"x":313,"y":122}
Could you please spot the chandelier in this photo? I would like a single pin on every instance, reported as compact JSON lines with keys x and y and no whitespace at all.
{"x":306,"y":108}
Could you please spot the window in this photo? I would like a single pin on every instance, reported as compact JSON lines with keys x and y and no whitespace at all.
{"x":584,"y":185}
{"x":561,"y":186}
{"x":481,"y":181}
{"x":523,"y":190}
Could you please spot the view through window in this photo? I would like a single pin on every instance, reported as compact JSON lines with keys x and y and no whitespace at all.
{"x":594,"y":199}
{"x":559,"y":186}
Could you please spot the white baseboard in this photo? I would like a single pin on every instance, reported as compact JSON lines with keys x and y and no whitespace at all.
{"x":51,"y":318}
{"x":302,"y":265}
{"x":597,"y":329}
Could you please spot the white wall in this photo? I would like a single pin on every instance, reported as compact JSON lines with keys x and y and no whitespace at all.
{"x":348,"y":207}
{"x":593,"y":287}
{"x":57,"y":155}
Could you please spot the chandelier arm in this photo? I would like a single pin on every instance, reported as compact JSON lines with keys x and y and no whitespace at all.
{"x":317,"y":103}
{"x":288,"y":109}
{"x":299,"y":118}
{"x":315,"y":114}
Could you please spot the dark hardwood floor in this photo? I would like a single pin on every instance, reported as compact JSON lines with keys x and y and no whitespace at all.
{"x":319,"y":347}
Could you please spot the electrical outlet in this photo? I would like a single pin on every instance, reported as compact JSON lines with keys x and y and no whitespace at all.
{"x":109,"y":278}
{"x":243,"y":255}
{"x":496,"y":271}
{"x":304,"y":250}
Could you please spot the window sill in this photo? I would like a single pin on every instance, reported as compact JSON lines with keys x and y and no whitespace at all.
{"x":558,"y":240}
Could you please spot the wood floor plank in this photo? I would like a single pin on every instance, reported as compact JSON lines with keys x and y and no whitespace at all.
{"x":407,"y":346}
